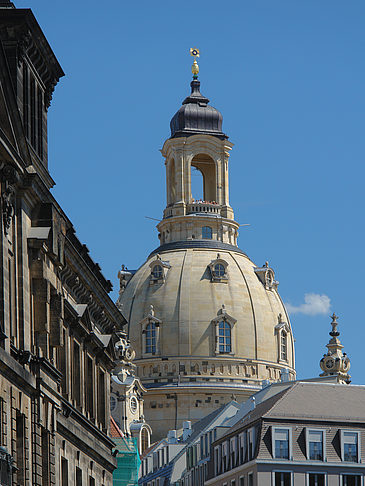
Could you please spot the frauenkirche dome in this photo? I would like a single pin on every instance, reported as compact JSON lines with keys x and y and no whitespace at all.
{"x":207,"y":324}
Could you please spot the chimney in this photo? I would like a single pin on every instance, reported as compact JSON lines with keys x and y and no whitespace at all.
{"x":187,"y":430}
{"x":172,"y":437}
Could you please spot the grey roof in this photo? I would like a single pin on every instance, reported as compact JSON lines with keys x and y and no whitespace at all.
{"x":310,"y":401}
{"x":196,"y":116}
{"x":185,"y":244}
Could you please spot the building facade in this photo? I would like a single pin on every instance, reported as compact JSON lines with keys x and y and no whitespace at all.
{"x":57,"y":323}
{"x":310,"y":434}
{"x":205,"y":321}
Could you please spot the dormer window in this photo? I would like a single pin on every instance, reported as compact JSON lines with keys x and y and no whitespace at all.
{"x":157,"y":272}
{"x":282,"y":330}
{"x":266,"y":276}
{"x":159,"y":269}
{"x":150,"y":327}
{"x":223,"y":329}
{"x":207,"y":233}
{"x":218,"y":270}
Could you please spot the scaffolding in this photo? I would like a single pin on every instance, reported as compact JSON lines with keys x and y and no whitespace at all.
{"x":128,"y":462}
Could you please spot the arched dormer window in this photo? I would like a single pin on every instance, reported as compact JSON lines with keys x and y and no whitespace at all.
{"x":150,"y":331}
{"x":223,"y":326}
{"x":266,"y":276}
{"x":150,"y":341}
{"x":207,"y":233}
{"x":282,"y":330}
{"x":284,"y":346}
{"x":159,"y":270}
{"x":224,"y":337}
{"x":218,"y":270}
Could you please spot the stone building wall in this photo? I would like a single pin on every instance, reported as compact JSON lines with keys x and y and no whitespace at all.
{"x":57,"y":323}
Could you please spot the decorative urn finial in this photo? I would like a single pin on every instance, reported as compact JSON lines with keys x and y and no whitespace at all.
{"x":335,"y":362}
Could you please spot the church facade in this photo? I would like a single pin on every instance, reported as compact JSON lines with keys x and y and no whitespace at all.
{"x":207,"y":323}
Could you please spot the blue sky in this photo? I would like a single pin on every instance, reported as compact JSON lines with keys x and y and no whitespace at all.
{"x":288,"y":77}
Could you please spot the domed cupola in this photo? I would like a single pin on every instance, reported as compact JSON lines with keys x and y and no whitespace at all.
{"x":196,"y":116}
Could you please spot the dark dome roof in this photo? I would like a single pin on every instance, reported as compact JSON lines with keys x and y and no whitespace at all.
{"x":196,"y":117}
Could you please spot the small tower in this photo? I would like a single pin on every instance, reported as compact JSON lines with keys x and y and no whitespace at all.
{"x":197,"y":143}
{"x":335,"y":362}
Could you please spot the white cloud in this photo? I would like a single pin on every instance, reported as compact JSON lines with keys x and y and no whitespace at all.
{"x":314,"y":304}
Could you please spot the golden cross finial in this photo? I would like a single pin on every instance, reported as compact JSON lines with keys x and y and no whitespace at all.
{"x":195,"y":68}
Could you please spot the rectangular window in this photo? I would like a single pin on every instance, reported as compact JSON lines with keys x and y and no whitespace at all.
{"x":64,"y":471}
{"x":91,"y":481}
{"x":233,"y":452}
{"x":26,"y":99}
{"x":78,"y":476}
{"x":315,"y":441}
{"x":351,"y":480}
{"x":281,"y":443}
{"x":61,"y":363}
{"x":250,"y":479}
{"x":32,"y":111}
{"x":40,"y":122}
{"x":242,"y":481}
{"x":20,"y":448}
{"x":89,"y":383}
{"x":76,"y":374}
{"x":251,"y":442}
{"x":242,"y":447}
{"x":45,"y":457}
{"x":316,"y":479}
{"x":350,"y":446}
{"x":282,"y":478}
{"x":101,"y":399}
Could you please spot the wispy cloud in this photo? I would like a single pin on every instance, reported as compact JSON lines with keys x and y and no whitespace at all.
{"x":314,"y":304}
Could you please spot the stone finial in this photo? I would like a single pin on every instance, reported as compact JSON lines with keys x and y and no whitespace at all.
{"x":335,"y":362}
{"x":152,"y":311}
{"x":280,"y":318}
{"x":266,"y":264}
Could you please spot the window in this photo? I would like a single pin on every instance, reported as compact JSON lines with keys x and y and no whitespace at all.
{"x":315,"y":445}
{"x":316,"y":479}
{"x":101,"y":399}
{"x":219,"y":270}
{"x":45,"y":457}
{"x":91,"y":481}
{"x":89,"y":386}
{"x":233,"y":452}
{"x":282,"y":478}
{"x":351,"y":480}
{"x":145,"y":439}
{"x":76,"y":374}
{"x":233,"y":482}
{"x":157,"y":272}
{"x":151,"y":338}
{"x":251,"y":442}
{"x":64,"y":472}
{"x":242,"y":481}
{"x":78,"y":477}
{"x":283,"y":346}
{"x":281,"y":443}
{"x":350,"y":446}
{"x":20,"y":447}
{"x":207,"y":233}
{"x":242,"y":447}
{"x":250,"y":479}
{"x":224,"y":336}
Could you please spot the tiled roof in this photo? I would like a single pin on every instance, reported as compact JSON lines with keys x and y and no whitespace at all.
{"x":115,"y":431}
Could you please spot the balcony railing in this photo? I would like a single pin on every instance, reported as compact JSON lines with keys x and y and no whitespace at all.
{"x":203,"y":207}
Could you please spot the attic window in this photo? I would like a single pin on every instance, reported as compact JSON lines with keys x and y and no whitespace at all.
{"x":218,"y":270}
{"x":159,"y":269}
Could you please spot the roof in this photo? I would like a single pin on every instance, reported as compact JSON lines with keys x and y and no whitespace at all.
{"x":196,"y":116}
{"x":310,"y":401}
{"x":115,"y":432}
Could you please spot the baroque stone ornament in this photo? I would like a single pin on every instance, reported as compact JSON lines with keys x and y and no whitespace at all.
{"x":9,"y":178}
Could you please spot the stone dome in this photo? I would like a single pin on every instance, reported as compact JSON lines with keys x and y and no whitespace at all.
{"x":187,"y":301}
{"x":196,"y":116}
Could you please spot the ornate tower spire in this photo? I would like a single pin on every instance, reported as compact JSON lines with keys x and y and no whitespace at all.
{"x":335,"y":362}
